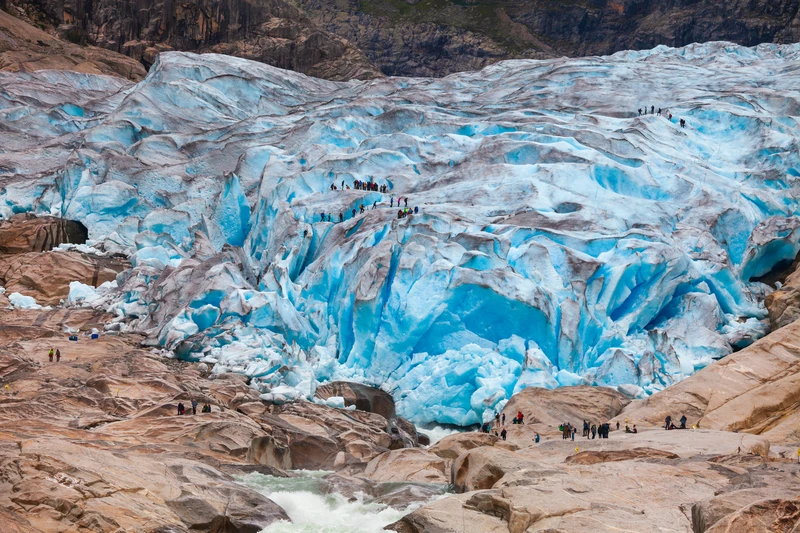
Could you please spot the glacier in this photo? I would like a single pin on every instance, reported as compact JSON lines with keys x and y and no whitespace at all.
{"x":561,"y":238}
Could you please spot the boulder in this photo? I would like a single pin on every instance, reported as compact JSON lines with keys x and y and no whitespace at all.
{"x":546,"y":409}
{"x":28,"y":233}
{"x":451,"y":446}
{"x":480,"y":468}
{"x":411,"y":464}
{"x":363,"y":397}
{"x":322,"y":437}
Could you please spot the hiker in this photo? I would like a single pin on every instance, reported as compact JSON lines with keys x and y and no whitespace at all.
{"x":594,"y":431}
{"x":194,"y":407}
{"x":497,"y":419}
{"x":181,"y":409}
{"x":354,"y":213}
{"x":333,"y":186}
{"x":503,"y":433}
{"x":362,"y":209}
{"x":683,"y":418}
{"x":322,"y":216}
{"x":627,"y":429}
{"x":504,"y":419}
{"x":667,"y":421}
{"x":391,"y":202}
{"x":58,"y":356}
{"x":617,"y":425}
{"x":536,"y":439}
{"x":329,"y":217}
{"x":640,"y":111}
{"x":406,"y":200}
{"x":573,"y":433}
{"x":519,"y":416}
{"x":374,"y":204}
{"x":206,"y":408}
{"x":634,"y":429}
{"x":416,"y":209}
{"x":50,"y":355}
{"x":342,"y":184}
{"x":670,"y":117}
{"x":652,"y":109}
{"x":341,"y":217}
{"x":399,"y":213}
{"x":585,"y":429}
{"x":683,"y":123}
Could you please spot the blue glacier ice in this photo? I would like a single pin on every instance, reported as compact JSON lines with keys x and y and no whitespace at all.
{"x":561,"y":238}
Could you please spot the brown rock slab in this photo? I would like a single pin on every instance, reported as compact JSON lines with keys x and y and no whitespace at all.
{"x":411,"y":464}
{"x":755,"y":390}
{"x":451,"y":446}
{"x":783,"y":305}
{"x":594,"y":457}
{"x":46,"y":276}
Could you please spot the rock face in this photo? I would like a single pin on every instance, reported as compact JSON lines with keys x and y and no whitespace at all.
{"x":46,"y":277}
{"x":435,"y":39}
{"x":24,"y":48}
{"x":783,"y":305}
{"x":27,"y":233}
{"x":756,"y":390}
{"x":271,"y":31}
{"x":364,"y":398}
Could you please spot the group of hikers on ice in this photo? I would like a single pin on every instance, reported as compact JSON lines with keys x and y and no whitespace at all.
{"x":402,"y":212}
{"x":659,"y":113}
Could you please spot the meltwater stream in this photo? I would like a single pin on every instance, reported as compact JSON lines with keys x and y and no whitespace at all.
{"x":312,"y":510}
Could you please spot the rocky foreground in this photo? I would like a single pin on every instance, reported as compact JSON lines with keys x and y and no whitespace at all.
{"x":93,"y":442}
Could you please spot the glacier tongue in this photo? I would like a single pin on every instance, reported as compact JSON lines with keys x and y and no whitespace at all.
{"x":561,"y":238}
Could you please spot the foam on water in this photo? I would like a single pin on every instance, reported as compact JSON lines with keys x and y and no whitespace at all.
{"x":437,"y":433}
{"x":312,"y":511}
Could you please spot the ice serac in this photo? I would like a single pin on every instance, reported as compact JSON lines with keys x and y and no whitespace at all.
{"x":561,"y":238}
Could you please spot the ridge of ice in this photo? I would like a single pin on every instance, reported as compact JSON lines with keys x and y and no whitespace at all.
{"x":561,"y":238}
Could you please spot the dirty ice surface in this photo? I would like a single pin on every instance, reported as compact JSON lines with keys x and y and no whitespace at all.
{"x":560,"y":237}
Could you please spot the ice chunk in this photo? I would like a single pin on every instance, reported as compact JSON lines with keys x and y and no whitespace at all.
{"x":23,"y":302}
